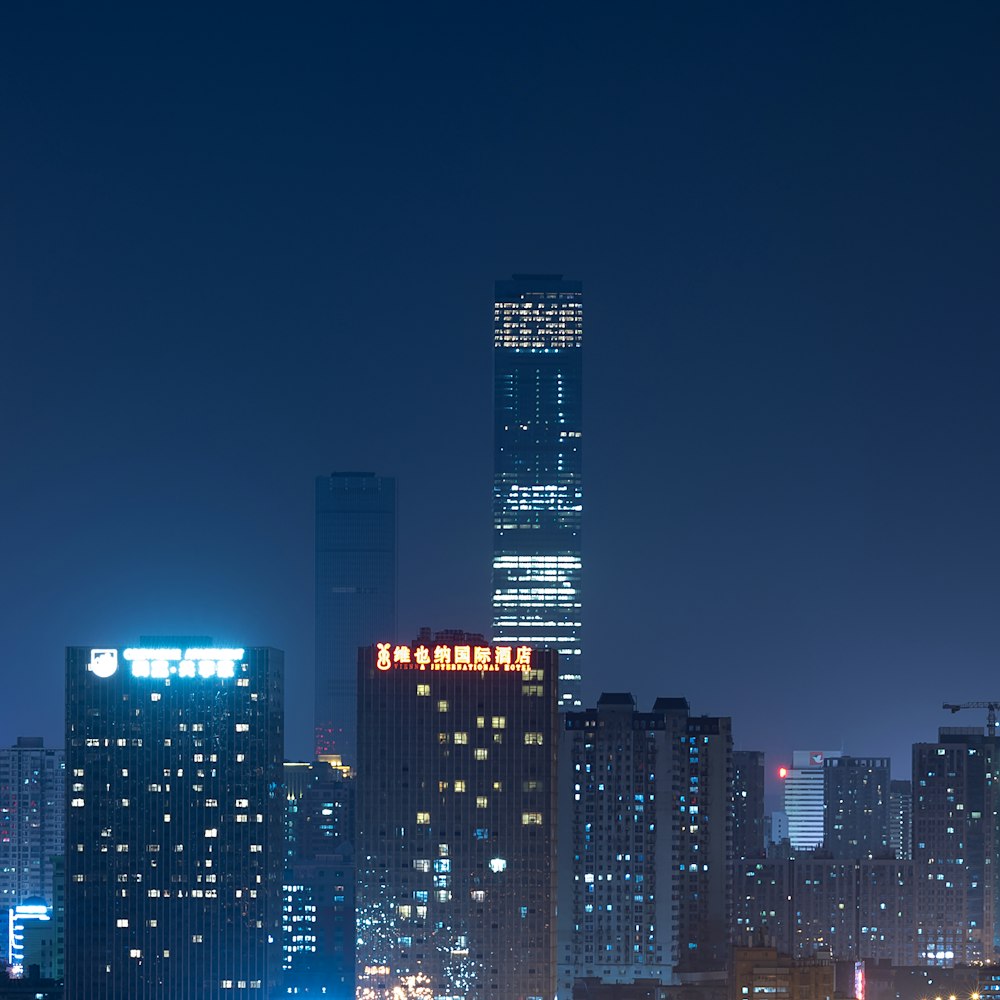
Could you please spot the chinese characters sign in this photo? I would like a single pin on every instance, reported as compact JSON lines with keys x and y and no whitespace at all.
{"x":447,"y":657}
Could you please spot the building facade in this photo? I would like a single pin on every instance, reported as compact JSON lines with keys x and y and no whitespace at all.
{"x":808,"y":906}
{"x":355,"y":595}
{"x":955,"y":837}
{"x":856,"y":807}
{"x":646,"y":840}
{"x":174,"y":822}
{"x":538,"y":472}
{"x":901,"y":819}
{"x":318,"y":914}
{"x":749,"y":835}
{"x":804,"y":791}
{"x":32,"y":821}
{"x":456,"y":821}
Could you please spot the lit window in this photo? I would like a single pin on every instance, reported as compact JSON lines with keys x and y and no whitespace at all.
{"x":423,"y":818}
{"x":423,"y":690}
{"x":482,"y":753}
{"x":533,"y":739}
{"x":531,"y":819}
{"x":499,"y":722}
{"x":481,"y":802}
{"x":459,"y":786}
{"x":461,"y":739}
{"x":442,"y":706}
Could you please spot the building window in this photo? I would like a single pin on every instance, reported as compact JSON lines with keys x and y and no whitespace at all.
{"x":423,"y":819}
{"x":532,"y":739}
{"x":531,"y":819}
{"x":423,"y":690}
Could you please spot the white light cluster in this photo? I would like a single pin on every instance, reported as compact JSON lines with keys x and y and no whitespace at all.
{"x":194,"y":662}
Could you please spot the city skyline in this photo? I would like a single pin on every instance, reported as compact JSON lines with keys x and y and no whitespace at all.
{"x":221,"y":283}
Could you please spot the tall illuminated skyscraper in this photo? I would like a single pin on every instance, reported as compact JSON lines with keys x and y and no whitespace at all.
{"x":355,"y":595}
{"x":174,"y":823}
{"x":537,"y":481}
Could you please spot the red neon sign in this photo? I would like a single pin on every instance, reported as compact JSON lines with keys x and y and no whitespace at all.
{"x":447,"y":657}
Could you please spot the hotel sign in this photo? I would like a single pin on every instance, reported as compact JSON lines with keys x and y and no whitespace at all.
{"x":453,"y":658}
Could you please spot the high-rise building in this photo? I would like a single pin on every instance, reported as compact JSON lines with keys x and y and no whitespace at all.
{"x":646,"y":835}
{"x":901,"y":819}
{"x":318,"y":915}
{"x":807,"y":906}
{"x":748,"y":804}
{"x":856,"y":807}
{"x":537,"y":480}
{"x":175,"y":821}
{"x":355,"y":595}
{"x":804,"y":797}
{"x":618,"y":785}
{"x":456,"y":810}
{"x":32,"y":821}
{"x":955,"y":837}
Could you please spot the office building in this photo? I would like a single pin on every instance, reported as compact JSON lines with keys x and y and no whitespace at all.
{"x":318,"y":914}
{"x":856,"y":807}
{"x":355,"y":595}
{"x":537,"y":482}
{"x":175,"y":822}
{"x":901,"y":819}
{"x":955,"y":839}
{"x":804,"y":797}
{"x":456,"y":820}
{"x":32,"y":821}
{"x":646,"y":835}
{"x":748,"y":804}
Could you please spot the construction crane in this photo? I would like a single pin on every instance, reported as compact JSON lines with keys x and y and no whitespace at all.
{"x":991,"y":712}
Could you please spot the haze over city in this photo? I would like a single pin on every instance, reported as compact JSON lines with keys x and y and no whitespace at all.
{"x":240,"y":252}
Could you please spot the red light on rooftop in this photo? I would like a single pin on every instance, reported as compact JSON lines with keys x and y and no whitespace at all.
{"x":782,"y":772}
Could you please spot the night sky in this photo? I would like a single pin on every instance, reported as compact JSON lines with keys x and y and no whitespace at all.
{"x":243,"y":245}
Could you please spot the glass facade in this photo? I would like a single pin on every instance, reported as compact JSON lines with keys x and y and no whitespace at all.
{"x":174,"y":821}
{"x":355,"y":595}
{"x":537,"y":485}
{"x":456,"y":822}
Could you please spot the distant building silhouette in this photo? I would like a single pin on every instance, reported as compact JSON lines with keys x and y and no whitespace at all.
{"x":748,"y":804}
{"x":355,"y":595}
{"x":538,"y":472}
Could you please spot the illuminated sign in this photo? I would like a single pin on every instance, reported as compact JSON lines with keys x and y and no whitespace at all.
{"x":161,"y":664}
{"x":447,"y":657}
{"x":103,"y":662}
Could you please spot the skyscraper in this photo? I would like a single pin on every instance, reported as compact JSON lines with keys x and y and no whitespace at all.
{"x":456,"y":821}
{"x":804,"y":797}
{"x":856,"y":807}
{"x":355,"y":595}
{"x":537,"y":481}
{"x":175,"y":821}
{"x":32,"y":821}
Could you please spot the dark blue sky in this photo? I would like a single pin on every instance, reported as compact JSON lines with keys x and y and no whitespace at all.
{"x":240,"y":246}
